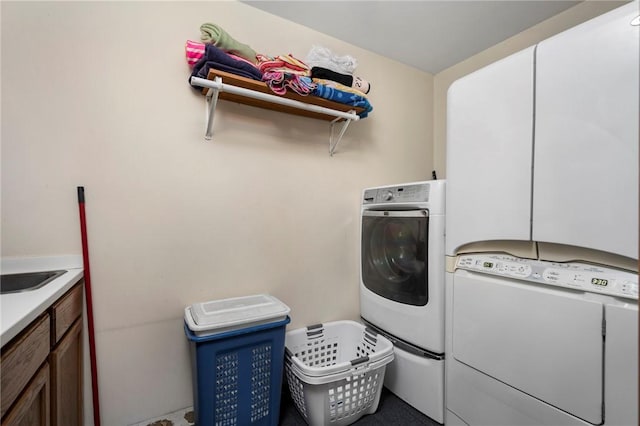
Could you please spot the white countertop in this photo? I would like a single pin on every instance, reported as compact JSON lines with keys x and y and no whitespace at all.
{"x":17,"y":310}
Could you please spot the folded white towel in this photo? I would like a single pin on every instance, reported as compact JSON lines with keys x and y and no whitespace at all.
{"x":323,"y":57}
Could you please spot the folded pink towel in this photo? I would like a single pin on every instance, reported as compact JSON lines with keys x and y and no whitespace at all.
{"x":282,"y":63}
{"x":194,"y":51}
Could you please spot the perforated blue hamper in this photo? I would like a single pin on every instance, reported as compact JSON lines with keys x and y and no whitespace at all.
{"x":237,"y":374}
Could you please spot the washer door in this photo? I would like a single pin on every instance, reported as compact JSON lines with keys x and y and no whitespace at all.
{"x":542,"y":341}
{"x":394,"y":255}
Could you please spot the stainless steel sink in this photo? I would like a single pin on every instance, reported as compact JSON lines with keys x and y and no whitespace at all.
{"x":13,"y":283}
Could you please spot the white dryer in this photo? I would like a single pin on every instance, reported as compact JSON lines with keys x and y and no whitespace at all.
{"x":539,"y":342}
{"x":402,"y":286}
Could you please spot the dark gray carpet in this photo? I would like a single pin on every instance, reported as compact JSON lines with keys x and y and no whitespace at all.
{"x":391,"y":411}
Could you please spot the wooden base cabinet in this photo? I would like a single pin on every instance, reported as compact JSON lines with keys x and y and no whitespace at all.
{"x":42,"y":368}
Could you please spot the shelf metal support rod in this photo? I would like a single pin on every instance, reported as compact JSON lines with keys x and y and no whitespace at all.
{"x":333,"y":141}
{"x":212,"y":84}
{"x":212,"y":101}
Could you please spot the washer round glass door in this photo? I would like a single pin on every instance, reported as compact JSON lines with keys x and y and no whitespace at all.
{"x":394,"y":255}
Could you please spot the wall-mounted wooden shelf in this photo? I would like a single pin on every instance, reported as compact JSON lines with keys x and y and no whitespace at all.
{"x":234,"y":88}
{"x":261,"y":87}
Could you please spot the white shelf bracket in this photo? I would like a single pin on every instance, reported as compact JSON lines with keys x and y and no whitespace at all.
{"x":333,"y":140}
{"x":211,"y":102}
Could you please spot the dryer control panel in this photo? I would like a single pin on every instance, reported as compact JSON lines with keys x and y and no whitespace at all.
{"x":397,"y":194}
{"x":575,"y":275}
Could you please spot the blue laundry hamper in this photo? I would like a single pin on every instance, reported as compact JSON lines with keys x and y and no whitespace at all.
{"x":237,"y":358}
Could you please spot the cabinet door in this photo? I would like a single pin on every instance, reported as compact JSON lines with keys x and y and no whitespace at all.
{"x":32,"y":408}
{"x":66,"y":379}
{"x":22,"y":358}
{"x":585,"y":189}
{"x":489,"y":153}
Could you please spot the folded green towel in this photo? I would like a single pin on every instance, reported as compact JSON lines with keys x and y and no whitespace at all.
{"x":214,"y":34}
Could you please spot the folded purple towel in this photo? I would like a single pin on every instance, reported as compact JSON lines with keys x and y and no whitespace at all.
{"x":220,"y":60}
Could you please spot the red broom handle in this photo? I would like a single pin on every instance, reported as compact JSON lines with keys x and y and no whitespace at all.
{"x":87,"y":290}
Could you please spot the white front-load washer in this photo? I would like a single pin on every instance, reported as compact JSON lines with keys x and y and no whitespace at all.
{"x":539,"y":342}
{"x":402,"y":286}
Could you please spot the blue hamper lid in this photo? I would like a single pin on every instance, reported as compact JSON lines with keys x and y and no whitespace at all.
{"x":219,"y":316}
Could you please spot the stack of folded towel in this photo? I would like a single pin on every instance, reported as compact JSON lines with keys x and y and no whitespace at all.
{"x":325,"y":74}
{"x":327,"y":66}
{"x":220,"y":51}
{"x":209,"y":56}
{"x":334,"y":79}
{"x":285,"y":72}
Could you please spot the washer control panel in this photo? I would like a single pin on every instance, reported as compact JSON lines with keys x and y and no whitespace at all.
{"x":397,"y":194}
{"x":579,"y":276}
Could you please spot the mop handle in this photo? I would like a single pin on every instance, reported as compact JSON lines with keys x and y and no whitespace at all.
{"x":87,"y":288}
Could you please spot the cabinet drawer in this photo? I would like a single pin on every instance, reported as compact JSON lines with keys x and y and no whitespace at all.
{"x":65,"y":311}
{"x":22,"y":359}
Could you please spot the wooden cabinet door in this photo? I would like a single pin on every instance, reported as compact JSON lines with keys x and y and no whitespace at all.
{"x":66,"y":379}
{"x":21,"y":359}
{"x":585,"y":189}
{"x":32,"y":408}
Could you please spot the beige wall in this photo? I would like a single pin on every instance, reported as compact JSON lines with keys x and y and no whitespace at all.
{"x":96,"y":94}
{"x":567,"y":19}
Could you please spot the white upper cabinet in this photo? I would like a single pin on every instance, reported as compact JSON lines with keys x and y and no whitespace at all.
{"x":585,"y":186}
{"x":567,"y":174}
{"x":489,"y":142}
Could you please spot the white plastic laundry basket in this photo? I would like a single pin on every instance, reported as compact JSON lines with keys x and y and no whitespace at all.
{"x":335,"y":371}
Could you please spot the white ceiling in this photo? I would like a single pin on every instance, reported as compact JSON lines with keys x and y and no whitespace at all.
{"x":428,"y":35}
